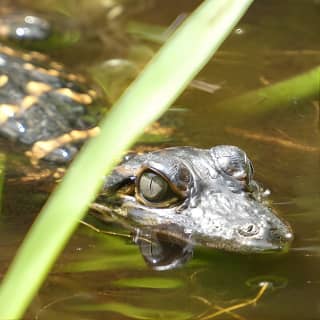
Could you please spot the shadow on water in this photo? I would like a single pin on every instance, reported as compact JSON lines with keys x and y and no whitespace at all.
{"x":100,"y":275}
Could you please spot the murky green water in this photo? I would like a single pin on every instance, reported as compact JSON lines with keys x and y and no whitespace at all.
{"x":101,"y":276}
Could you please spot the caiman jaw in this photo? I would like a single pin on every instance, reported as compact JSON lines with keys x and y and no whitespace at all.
{"x":204,"y":197}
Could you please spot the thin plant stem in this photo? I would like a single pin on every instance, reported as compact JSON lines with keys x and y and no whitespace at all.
{"x":252,"y":301}
{"x":156,"y":88}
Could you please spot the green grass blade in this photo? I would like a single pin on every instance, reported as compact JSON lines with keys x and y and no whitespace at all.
{"x":135,"y":312}
{"x":166,"y":76}
{"x":2,"y":173}
{"x":256,"y":102}
{"x":147,"y":31}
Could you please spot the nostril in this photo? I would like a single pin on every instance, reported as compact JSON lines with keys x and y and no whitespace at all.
{"x":248,"y":230}
{"x":280,"y":237}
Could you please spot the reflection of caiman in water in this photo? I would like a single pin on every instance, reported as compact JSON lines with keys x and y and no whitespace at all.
{"x":173,"y":199}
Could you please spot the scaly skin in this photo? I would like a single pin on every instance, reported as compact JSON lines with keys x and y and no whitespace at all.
{"x":209,"y":197}
{"x":219,"y":204}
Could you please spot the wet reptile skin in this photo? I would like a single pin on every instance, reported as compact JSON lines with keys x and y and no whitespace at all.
{"x":212,"y":199}
{"x":42,"y":106}
{"x":219,"y":204}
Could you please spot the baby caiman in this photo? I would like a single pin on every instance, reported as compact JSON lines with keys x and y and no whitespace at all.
{"x":180,"y":195}
{"x":194,"y":196}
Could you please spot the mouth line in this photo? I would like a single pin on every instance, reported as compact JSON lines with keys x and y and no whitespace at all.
{"x":252,"y":246}
{"x":148,"y":217}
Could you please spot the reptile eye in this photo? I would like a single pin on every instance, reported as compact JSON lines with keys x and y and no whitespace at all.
{"x":240,"y":170}
{"x":234,"y":162}
{"x":243,"y":175}
{"x":154,"y":189}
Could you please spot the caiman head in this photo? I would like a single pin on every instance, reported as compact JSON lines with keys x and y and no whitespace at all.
{"x":196,"y":196}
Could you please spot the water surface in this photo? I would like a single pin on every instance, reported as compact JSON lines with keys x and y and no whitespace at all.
{"x":101,"y":276}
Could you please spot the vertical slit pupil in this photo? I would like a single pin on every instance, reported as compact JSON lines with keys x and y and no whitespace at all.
{"x":153,"y":187}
